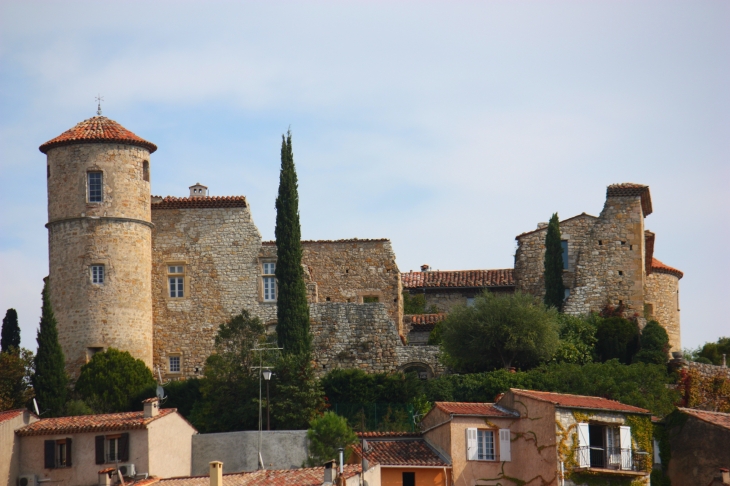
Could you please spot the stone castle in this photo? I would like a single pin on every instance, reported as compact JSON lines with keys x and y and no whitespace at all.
{"x":156,"y":276}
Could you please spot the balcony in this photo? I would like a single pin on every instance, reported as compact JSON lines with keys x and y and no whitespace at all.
{"x":613,"y":461}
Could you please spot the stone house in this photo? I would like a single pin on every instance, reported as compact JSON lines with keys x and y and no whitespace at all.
{"x":608,"y":260}
{"x":10,"y":421}
{"x":699,"y":441}
{"x":88,"y":449}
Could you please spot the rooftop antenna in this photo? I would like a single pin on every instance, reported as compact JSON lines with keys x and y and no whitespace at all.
{"x":160,"y":392}
{"x":99,"y":98}
{"x":35,"y":407}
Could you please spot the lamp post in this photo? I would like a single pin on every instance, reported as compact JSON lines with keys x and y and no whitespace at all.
{"x":263,"y":370}
{"x":267,"y":376}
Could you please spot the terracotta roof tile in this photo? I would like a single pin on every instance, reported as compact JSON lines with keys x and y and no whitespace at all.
{"x":346,"y":240}
{"x":401,"y":452}
{"x":10,"y":414}
{"x":386,"y":435}
{"x":629,"y":189}
{"x":91,"y":423}
{"x":579,"y":401}
{"x":312,"y":476}
{"x":423,"y":322}
{"x":203,"y":202}
{"x":98,"y":129}
{"x":659,"y":267}
{"x":473,"y":408}
{"x":459,"y":279}
{"x":715,"y":418}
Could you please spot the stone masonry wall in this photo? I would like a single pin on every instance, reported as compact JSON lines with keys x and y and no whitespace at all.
{"x":219,"y":249}
{"x":530,"y":255}
{"x":445,"y":299}
{"x":611,"y":270}
{"x":114,"y":233}
{"x":662,"y":291}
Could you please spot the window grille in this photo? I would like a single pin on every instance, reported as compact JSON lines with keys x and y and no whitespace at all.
{"x":97,"y":274}
{"x":95,"y":187}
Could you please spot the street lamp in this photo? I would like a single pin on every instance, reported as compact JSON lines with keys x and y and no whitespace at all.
{"x":267,"y":376}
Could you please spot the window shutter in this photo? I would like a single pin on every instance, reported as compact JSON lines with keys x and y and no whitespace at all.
{"x":657,"y":457}
{"x":124,"y":447}
{"x":505,"y":446}
{"x":471,"y":445}
{"x":584,"y":453}
{"x":625,"y":441}
{"x":99,"y":441}
{"x":69,"y":450}
{"x":49,"y":454}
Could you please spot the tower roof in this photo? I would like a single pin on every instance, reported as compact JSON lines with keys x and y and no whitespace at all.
{"x":97,"y":129}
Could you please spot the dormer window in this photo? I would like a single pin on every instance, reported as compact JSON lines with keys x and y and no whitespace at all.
{"x":95,"y":187}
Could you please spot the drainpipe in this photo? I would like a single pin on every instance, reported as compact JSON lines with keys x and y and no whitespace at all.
{"x":562,"y":473}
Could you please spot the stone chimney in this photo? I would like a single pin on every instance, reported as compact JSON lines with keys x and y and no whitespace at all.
{"x":330,"y":472}
{"x":425,"y":268}
{"x":151,"y":407}
{"x":198,"y":190}
{"x":542,"y":225}
{"x":216,"y":473}
{"x":105,"y":476}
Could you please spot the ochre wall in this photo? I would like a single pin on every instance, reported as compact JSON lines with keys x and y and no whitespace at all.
{"x":662,"y":290}
{"x":393,"y":476}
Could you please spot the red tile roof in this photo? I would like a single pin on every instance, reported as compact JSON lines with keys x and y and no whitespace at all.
{"x":579,"y":401}
{"x":715,"y":418}
{"x":98,"y":129}
{"x":204,"y":202}
{"x":311,"y":476}
{"x":91,"y":423}
{"x":386,"y":435}
{"x":423,"y":322}
{"x":346,"y":240}
{"x":629,"y":189}
{"x":10,"y":414}
{"x":401,"y":452}
{"x":659,"y":267}
{"x":459,"y":279}
{"x":473,"y":408}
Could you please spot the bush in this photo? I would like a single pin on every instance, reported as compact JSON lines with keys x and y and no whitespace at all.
{"x":713,"y":351}
{"x":327,"y":434}
{"x":577,"y":339}
{"x":654,"y":344}
{"x":617,"y":338}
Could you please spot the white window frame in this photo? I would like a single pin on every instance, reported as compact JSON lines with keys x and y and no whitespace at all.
{"x":268,"y":281}
{"x":93,"y":197}
{"x":176,"y":281}
{"x":98,"y":274}
{"x":480,"y":445}
{"x":170,"y":363}
{"x":111,"y":449}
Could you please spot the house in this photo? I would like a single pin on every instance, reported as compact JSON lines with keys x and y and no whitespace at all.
{"x":700,"y":444}
{"x":10,"y":421}
{"x":405,"y":459}
{"x":544,"y":438}
{"x":73,"y":450}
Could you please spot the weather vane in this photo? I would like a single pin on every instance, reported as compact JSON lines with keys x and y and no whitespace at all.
{"x":98,"y":99}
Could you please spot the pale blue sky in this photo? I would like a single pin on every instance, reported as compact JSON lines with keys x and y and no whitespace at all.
{"x":448,"y":127}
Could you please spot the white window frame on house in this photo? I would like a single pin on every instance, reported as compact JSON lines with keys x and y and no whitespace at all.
{"x":176,"y":281}
{"x":615,"y":452}
{"x":112,"y":452}
{"x":174,"y":363}
{"x":481,"y":444}
{"x":95,"y":188}
{"x":98,"y":274}
{"x":268,"y":281}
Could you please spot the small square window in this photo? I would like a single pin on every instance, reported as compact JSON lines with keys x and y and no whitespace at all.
{"x":174,"y":364}
{"x":269,"y":268}
{"x":97,"y":274}
{"x":95,"y":186}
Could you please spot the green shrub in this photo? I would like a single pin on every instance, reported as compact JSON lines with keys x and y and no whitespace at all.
{"x":617,"y":338}
{"x":326,"y":435}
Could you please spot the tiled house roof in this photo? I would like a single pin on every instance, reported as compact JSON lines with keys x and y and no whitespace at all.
{"x":347,"y":240}
{"x":202,"y":202}
{"x":579,"y":401}
{"x":311,"y":476}
{"x":10,"y":414}
{"x":387,"y":435}
{"x":715,"y":418}
{"x":423,"y":322}
{"x":459,"y":279}
{"x":629,"y":189}
{"x":659,"y":267}
{"x":98,"y":129}
{"x":91,"y":423}
{"x":472,"y":408}
{"x":401,"y":452}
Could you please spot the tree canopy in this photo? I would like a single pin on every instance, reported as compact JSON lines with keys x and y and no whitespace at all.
{"x":554,"y":288}
{"x":617,"y":338}
{"x":654,"y":343}
{"x":111,"y":380}
{"x":499,"y":331}
{"x":713,"y":352}
{"x":10,"y":336}
{"x":328,"y":433}
{"x":292,"y":309}
{"x":16,"y":371}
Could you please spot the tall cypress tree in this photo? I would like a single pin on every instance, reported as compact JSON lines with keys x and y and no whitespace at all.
{"x":554,"y":288}
{"x":11,"y":332}
{"x":50,"y":381}
{"x":292,"y":309}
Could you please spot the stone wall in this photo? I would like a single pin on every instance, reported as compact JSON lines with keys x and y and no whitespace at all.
{"x":219,"y":250}
{"x":707,"y":371}
{"x":662,"y":294}
{"x":115,"y":233}
{"x":445,"y":299}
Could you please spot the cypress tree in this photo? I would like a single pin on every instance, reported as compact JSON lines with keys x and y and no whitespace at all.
{"x":554,"y":288}
{"x":11,"y":332}
{"x":292,"y":309}
{"x":50,"y":381}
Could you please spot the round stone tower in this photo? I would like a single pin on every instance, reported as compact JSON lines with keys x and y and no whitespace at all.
{"x":99,"y":240}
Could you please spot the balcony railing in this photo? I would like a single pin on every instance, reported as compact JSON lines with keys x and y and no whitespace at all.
{"x":614,"y":459}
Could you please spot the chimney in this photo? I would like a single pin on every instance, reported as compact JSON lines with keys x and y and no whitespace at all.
{"x":425,"y":268}
{"x":330,"y":472}
{"x":216,"y":473}
{"x":725,"y":474}
{"x":151,"y":407}
{"x":198,"y":190}
{"x":105,"y":476}
{"x":541,"y":225}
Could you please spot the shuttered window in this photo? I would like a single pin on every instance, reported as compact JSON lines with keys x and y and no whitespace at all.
{"x":505,"y":445}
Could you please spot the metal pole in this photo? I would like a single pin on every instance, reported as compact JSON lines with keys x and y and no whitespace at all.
{"x":268,"y":418}
{"x":261,"y":363}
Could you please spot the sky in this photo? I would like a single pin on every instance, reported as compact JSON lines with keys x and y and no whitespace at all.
{"x":448,"y":127}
